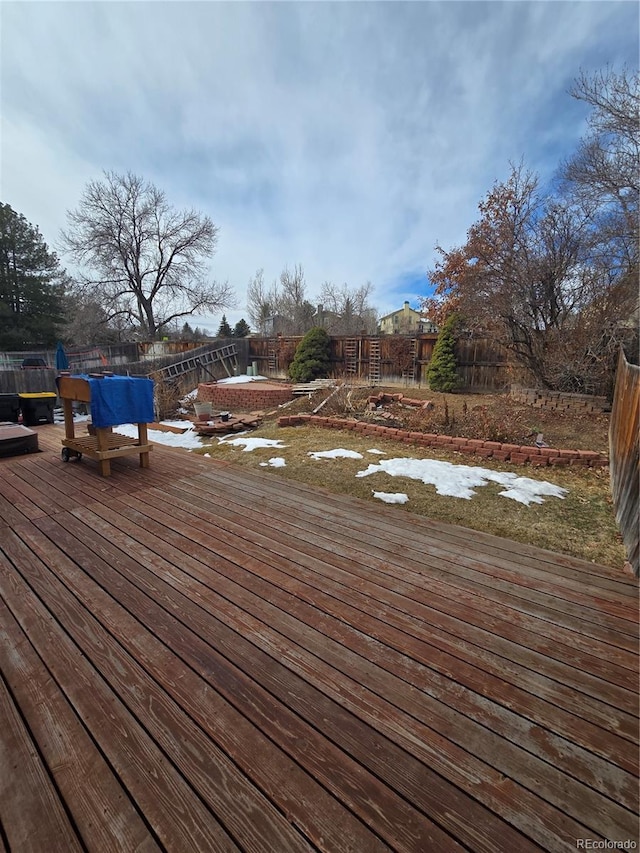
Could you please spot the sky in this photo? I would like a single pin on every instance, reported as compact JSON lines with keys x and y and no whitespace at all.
{"x":348,"y":137}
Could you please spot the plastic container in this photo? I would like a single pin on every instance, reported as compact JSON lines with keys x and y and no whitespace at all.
{"x":16,"y":439}
{"x":203,"y":410}
{"x":37,"y":408}
{"x":9,"y":407}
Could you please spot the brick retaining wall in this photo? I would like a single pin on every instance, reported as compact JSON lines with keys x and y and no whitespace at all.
{"x":538,"y":457}
{"x":578,"y":403}
{"x":244,"y":396}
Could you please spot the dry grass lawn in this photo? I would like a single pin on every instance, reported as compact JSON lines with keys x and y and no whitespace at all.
{"x":582,"y":524}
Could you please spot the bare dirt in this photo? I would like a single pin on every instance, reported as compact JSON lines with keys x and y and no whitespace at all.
{"x":490,"y":417}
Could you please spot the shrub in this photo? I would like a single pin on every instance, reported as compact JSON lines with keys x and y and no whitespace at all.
{"x":312,"y":358}
{"x":441,"y":372}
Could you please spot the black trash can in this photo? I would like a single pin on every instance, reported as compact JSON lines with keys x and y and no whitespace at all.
{"x":37,"y":408}
{"x":9,"y":407}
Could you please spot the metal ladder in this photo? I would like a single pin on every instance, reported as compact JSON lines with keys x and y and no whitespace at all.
{"x":227,"y":356}
{"x":374,"y":361}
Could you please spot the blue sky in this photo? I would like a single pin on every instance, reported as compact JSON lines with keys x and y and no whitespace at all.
{"x":349,"y":137}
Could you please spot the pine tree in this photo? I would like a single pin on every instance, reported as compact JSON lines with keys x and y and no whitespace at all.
{"x":241,"y":329}
{"x":225,"y":329}
{"x":31,"y":285}
{"x":441,"y":372}
{"x":313,"y":356}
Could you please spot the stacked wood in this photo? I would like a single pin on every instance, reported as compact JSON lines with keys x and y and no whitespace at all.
{"x":234,"y":423}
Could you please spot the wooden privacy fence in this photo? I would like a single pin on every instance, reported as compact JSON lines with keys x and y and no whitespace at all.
{"x":482,"y":363}
{"x":31,"y":381}
{"x":624,"y":456}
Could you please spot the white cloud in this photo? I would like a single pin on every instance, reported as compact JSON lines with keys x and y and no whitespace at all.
{"x":348,"y":137}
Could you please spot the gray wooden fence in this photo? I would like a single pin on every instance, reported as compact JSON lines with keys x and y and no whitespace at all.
{"x":30,"y":381}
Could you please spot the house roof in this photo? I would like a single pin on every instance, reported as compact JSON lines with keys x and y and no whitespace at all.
{"x":401,"y":311}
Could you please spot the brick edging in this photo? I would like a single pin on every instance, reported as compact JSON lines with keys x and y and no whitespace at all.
{"x":559,"y":400}
{"x":539,"y":457}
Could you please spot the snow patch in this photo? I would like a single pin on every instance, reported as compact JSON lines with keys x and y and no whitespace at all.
{"x":180,"y":424}
{"x":391,"y":497}
{"x":239,"y":380}
{"x":459,"y":481}
{"x":188,"y":440}
{"x":379,"y":452}
{"x":253,"y":443}
{"x":274,"y":462}
{"x":334,"y":454}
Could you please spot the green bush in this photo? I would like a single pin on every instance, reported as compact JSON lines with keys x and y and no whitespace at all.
{"x":442,"y":374}
{"x":313,"y":356}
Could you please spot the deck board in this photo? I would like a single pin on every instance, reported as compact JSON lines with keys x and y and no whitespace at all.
{"x":414,"y":603}
{"x":197,"y":656}
{"x":101,"y":811}
{"x":516,"y":763}
{"x":459,"y":569}
{"x":32,"y":811}
{"x":308,"y":539}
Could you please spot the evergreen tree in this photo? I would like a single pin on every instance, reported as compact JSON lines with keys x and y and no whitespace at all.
{"x":441,"y":372}
{"x":31,"y":285}
{"x":313,"y":356}
{"x":241,"y":329}
{"x":225,"y":329}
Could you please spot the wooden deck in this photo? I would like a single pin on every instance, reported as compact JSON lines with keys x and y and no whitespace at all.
{"x":196,"y":657}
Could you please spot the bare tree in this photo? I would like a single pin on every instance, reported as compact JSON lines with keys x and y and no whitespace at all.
{"x":87,"y":321}
{"x":285,"y":301}
{"x":348,"y":309}
{"x":260,"y":302}
{"x":526,"y":276}
{"x":148,"y":259}
{"x":603,"y":178}
{"x":292,"y":303}
{"x":606,"y":163}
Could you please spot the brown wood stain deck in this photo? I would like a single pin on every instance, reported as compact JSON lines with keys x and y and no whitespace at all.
{"x":197,"y":657}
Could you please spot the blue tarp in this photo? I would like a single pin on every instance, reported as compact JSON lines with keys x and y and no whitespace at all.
{"x":62,"y":362}
{"x":121,"y":400}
